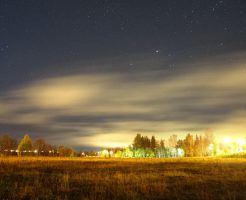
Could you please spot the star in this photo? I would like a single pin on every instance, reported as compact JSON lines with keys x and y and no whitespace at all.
{"x":221,"y":44}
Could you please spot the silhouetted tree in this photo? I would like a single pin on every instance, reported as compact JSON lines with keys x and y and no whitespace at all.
{"x":162,"y":144}
{"x":41,"y":146}
{"x":66,"y":152}
{"x":137,"y":143}
{"x":153,"y":143}
{"x":172,"y":142}
{"x":7,"y":143}
{"x":161,"y":152}
{"x":198,"y":146}
{"x":180,"y":144}
{"x":188,"y":145}
{"x":145,"y":142}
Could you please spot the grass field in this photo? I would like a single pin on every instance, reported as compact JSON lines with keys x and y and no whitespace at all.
{"x":94,"y":178}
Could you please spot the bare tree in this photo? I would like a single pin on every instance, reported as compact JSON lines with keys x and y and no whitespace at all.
{"x":7,"y":144}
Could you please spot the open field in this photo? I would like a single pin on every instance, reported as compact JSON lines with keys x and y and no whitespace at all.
{"x":94,"y":178}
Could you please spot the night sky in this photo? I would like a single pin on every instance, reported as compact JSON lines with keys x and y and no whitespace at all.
{"x":95,"y":73}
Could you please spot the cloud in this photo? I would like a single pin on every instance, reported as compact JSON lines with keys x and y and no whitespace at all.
{"x":110,"y":108}
{"x":59,"y":92}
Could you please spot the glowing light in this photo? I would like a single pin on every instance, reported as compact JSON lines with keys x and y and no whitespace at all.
{"x":241,"y":142}
{"x":180,"y":152}
{"x":227,"y":140}
{"x":211,"y":147}
{"x":104,"y":153}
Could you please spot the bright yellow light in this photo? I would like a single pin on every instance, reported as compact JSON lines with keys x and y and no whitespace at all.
{"x":105,"y":152}
{"x":227,"y":140}
{"x":241,"y":142}
{"x":211,"y":147}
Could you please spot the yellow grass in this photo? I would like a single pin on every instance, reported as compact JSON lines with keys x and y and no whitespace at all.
{"x":98,"y":178}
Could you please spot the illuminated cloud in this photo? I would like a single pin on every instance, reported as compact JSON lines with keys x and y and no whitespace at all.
{"x":110,"y":108}
{"x":59,"y":92}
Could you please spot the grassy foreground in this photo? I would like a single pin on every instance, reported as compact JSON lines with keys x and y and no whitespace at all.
{"x":93,"y":178}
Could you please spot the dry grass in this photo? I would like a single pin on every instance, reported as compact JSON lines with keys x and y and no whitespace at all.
{"x":91,"y":178}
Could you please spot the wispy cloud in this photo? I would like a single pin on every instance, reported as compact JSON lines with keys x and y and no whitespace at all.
{"x":110,"y":108}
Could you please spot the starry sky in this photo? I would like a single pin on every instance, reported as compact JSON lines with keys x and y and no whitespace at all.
{"x":94,"y":73}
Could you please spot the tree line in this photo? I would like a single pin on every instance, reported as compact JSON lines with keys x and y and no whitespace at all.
{"x":143,"y":146}
{"x":10,"y":146}
{"x":200,"y":145}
